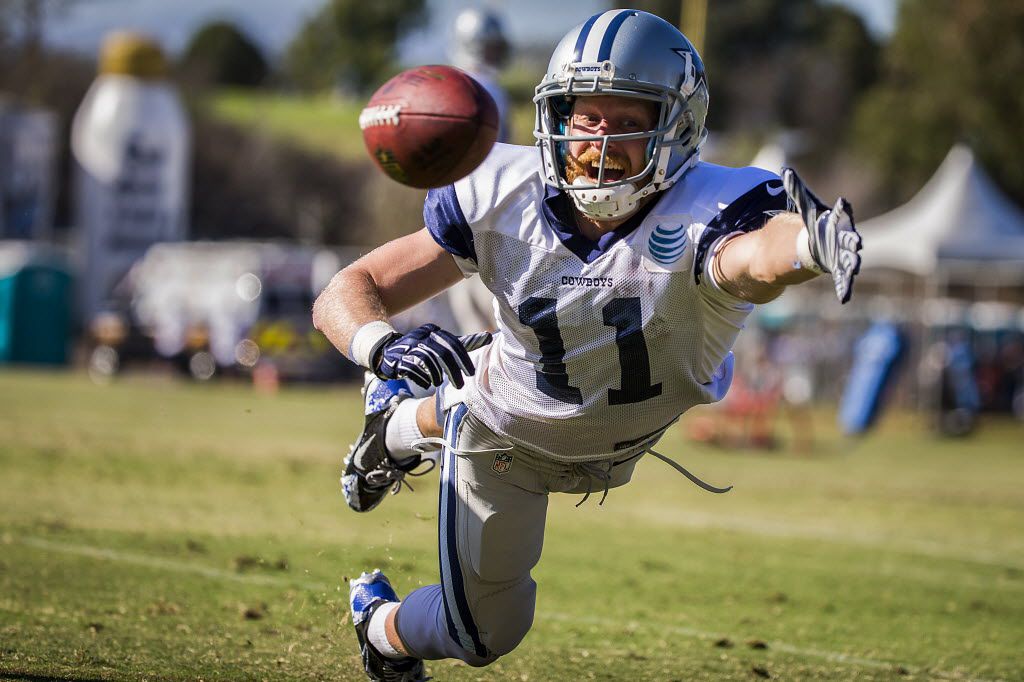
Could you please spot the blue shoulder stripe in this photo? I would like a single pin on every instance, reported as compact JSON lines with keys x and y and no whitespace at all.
{"x":749,"y":212}
{"x":447,"y":224}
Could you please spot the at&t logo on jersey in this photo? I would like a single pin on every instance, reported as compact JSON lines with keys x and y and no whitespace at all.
{"x":667,"y":245}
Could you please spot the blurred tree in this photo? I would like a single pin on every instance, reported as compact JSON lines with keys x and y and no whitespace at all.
{"x":952,"y":73}
{"x":219,"y":53}
{"x":790,"y":63}
{"x":351,"y":43}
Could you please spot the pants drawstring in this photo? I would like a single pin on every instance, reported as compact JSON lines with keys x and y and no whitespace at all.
{"x":601,"y":471}
{"x":678,"y":467}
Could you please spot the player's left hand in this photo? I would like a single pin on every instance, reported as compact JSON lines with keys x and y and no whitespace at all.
{"x":427,"y":354}
{"x":832,"y":237}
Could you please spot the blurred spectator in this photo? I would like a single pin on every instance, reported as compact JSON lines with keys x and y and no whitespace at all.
{"x":479,"y":48}
{"x":989,"y":374}
{"x":1011,"y":387}
{"x":794,"y":355}
{"x":28,"y":160}
{"x":950,"y":370}
{"x":745,"y":417}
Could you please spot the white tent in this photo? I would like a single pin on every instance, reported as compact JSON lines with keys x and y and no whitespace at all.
{"x":959,"y":226}
{"x":771,"y":157}
{"x":780,"y":150}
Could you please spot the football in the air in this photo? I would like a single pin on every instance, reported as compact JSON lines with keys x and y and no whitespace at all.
{"x":429,"y":126}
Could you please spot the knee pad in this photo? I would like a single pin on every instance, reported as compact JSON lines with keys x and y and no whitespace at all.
{"x":505,"y":616}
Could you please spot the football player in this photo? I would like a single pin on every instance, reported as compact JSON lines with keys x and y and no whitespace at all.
{"x":623,"y":268}
{"x":479,"y":47}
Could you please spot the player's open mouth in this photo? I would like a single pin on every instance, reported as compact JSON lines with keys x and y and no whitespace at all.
{"x":613,"y":170}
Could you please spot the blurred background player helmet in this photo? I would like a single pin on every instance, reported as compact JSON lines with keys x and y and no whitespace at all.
{"x":478,"y":40}
{"x":631,"y":54}
{"x":478,"y":46}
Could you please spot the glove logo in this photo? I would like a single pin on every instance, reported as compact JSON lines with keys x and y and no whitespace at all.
{"x":428,"y":356}
{"x":667,"y":245}
{"x":502,"y":463}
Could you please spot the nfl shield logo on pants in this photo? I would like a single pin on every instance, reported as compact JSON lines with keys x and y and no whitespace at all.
{"x":502,"y":463}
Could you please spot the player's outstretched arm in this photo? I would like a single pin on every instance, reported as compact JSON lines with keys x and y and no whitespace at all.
{"x":759,"y":265}
{"x":792,"y":248}
{"x":353,"y":310}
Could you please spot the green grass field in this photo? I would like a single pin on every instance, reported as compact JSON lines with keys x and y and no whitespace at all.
{"x":158,"y":530}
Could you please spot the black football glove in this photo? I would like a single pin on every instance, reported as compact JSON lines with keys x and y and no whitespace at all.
{"x":427,"y":354}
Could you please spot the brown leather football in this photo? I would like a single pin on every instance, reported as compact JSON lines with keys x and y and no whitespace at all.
{"x":429,"y":126}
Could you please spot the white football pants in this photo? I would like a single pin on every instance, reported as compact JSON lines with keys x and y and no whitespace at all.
{"x":493,"y":504}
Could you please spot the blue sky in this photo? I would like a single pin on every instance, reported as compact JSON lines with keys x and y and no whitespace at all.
{"x":272,"y":23}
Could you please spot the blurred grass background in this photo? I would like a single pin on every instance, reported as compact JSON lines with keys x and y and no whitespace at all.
{"x":324,"y":123}
{"x":317,"y":123}
{"x":162,"y":530}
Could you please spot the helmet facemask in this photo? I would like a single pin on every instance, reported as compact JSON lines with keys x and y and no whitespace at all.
{"x":651,"y":61}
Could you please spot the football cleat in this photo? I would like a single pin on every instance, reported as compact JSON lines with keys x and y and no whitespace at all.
{"x":366,"y":594}
{"x":369,"y":470}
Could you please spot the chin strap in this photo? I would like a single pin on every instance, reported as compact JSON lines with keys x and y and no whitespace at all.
{"x":623,"y":201}
{"x":608,"y":203}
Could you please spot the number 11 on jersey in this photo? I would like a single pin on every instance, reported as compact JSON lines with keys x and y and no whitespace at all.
{"x":625,"y":315}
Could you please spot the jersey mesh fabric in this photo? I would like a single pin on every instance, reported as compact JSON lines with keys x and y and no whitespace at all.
{"x":595,"y":360}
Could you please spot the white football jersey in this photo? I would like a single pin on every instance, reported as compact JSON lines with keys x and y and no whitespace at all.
{"x":602,"y":345}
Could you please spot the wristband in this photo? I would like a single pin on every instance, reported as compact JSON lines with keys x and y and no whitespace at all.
{"x":367,"y":341}
{"x":804,"y":259}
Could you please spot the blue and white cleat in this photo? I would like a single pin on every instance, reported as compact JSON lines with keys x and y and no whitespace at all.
{"x":379,"y":393}
{"x":366,"y":594}
{"x":369,"y":470}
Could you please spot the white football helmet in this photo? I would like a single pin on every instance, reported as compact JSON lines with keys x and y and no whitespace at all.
{"x":625,"y":53}
{"x":478,"y":41}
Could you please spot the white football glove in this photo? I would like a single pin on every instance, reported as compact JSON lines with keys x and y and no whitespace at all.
{"x":832,"y":240}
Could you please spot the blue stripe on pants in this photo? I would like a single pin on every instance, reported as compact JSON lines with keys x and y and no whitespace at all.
{"x":460,"y":619}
